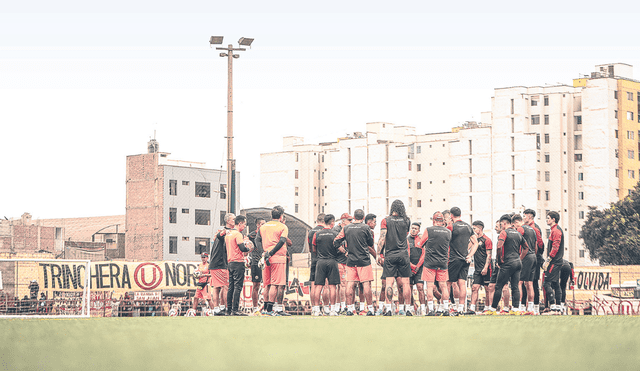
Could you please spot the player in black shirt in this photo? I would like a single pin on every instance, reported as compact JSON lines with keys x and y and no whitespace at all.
{"x":435,"y":241}
{"x":554,"y":262}
{"x":416,"y":258}
{"x":256,"y":272}
{"x":327,"y":266}
{"x":566,"y":276}
{"x":359,"y":242}
{"x":511,"y":249}
{"x":528,"y":217}
{"x":482,"y":265}
{"x":345,"y":219}
{"x":463,"y":246}
{"x":393,"y":237}
{"x":218,"y":267}
{"x":314,"y":259}
{"x":529,"y":262}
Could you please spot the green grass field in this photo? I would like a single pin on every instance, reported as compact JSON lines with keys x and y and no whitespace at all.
{"x":295,"y":343}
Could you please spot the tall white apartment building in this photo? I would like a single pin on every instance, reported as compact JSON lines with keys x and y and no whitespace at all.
{"x":549,"y":148}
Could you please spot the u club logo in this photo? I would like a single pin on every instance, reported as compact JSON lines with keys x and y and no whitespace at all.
{"x":141,"y":278}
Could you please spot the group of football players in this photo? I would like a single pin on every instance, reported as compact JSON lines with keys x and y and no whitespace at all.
{"x":435,"y":262}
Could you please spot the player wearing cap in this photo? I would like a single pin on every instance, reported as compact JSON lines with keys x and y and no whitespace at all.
{"x":345,"y":220}
{"x":359,"y":242}
{"x":463,"y":246}
{"x":393,"y":237}
{"x":482,"y":265}
{"x":554,"y":262}
{"x":529,"y":262}
{"x":416,"y":259}
{"x":256,"y":271}
{"x":236,"y":245}
{"x":272,"y":237}
{"x":435,"y":240}
{"x":218,"y":269}
{"x":201,"y":286}
{"x":327,"y":266}
{"x":512,"y":247}
{"x":528,"y":217}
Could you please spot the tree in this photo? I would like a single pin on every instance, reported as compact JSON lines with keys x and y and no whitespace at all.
{"x":612,"y":235}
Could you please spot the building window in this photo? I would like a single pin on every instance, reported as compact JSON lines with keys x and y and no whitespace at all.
{"x":296,"y":191}
{"x":470,"y":184}
{"x":513,"y":144}
{"x":419,"y":203}
{"x":546,"y":100}
{"x":513,"y":181}
{"x":538,"y":175}
{"x":222,"y":213}
{"x":513,"y":126}
{"x":513,"y":200}
{"x":580,"y":176}
{"x":580,"y":195}
{"x":630,"y":134}
{"x":470,"y":147}
{"x":615,"y":94}
{"x":296,"y":174}
{"x":629,"y":95}
{"x":185,"y":182}
{"x":203,"y":189}
{"x":470,"y":166}
{"x":173,"y":187}
{"x":580,"y":214}
{"x":582,"y":253}
{"x":535,"y":119}
{"x":577,"y":157}
{"x":512,"y":106}
{"x":419,"y":185}
{"x":470,"y":202}
{"x":547,"y":157}
{"x":538,"y":195}
{"x":629,"y":115}
{"x":409,"y":165}
{"x":409,"y":183}
{"x":322,"y":158}
{"x":203,"y":217}
{"x":418,"y":167}
{"x":202,"y":245}
{"x":322,"y":174}
{"x":297,"y":157}
{"x":296,"y":208}
{"x":419,"y":149}
{"x":534,"y":102}
{"x":631,"y":154}
{"x":631,"y":174}
{"x":547,"y":195}
{"x":323,"y":192}
{"x":173,"y":215}
{"x":185,"y":211}
{"x":173,"y":244}
{"x":547,"y":176}
{"x":617,"y":173}
{"x":546,"y":119}
{"x":223,"y":191}
{"x":578,"y":122}
{"x":538,"y":141}
{"x":546,"y":139}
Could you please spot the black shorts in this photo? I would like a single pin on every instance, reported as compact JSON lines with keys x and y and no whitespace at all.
{"x":417,"y":277}
{"x":529,"y":263}
{"x":479,"y":279}
{"x":327,"y":269}
{"x":256,"y":273}
{"x":397,"y":266}
{"x":312,"y":271}
{"x":552,"y":274}
{"x":495,"y":270}
{"x":509,"y":272}
{"x":458,"y":270}
{"x":536,"y":271}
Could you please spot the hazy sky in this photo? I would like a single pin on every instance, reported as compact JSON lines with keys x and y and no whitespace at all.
{"x":83,"y":86}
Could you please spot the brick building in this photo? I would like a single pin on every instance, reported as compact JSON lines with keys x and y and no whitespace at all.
{"x":173,"y":207}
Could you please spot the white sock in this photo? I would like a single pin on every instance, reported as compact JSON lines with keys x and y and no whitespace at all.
{"x":361,"y":306}
{"x":216,"y":310}
{"x":489,"y":309}
{"x":422,"y":307}
{"x":457,"y":301}
{"x":222,"y":307}
{"x":370,"y":307}
{"x":430,"y":305}
{"x":445,"y":305}
{"x":342,"y":305}
{"x":472,"y":307}
{"x":410,"y":308}
{"x":351,"y":308}
{"x":387,"y":307}
{"x":380,"y":306}
{"x":530,"y":306}
{"x":327,"y":309}
{"x":460,"y":308}
{"x":401,"y":307}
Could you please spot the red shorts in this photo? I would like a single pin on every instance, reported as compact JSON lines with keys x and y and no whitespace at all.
{"x":219,"y":277}
{"x":274,"y":274}
{"x":360,"y":274}
{"x":440,"y":275}
{"x":342,"y":269}
{"x":203,"y":293}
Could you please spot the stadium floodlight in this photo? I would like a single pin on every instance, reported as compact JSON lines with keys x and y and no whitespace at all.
{"x":215,"y":40}
{"x":64,"y":282}
{"x":245,"y":41}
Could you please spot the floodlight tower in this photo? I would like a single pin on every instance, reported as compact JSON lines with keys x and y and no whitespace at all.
{"x":231,"y":162}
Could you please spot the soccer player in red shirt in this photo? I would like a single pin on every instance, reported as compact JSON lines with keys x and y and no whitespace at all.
{"x":482,"y":265}
{"x":529,"y":263}
{"x":528,"y":217}
{"x":201,"y":286}
{"x":416,"y":259}
{"x":555,"y":260}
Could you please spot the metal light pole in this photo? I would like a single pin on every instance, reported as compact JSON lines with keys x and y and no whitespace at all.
{"x":231,"y":162}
